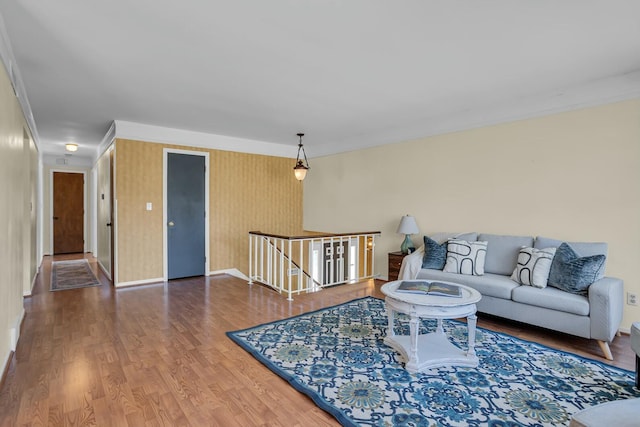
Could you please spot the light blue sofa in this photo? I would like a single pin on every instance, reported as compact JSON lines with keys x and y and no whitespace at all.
{"x":594,"y":316}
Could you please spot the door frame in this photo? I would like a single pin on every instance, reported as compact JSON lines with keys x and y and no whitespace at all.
{"x":96,"y":197}
{"x":84,"y":206}
{"x":165,"y":244}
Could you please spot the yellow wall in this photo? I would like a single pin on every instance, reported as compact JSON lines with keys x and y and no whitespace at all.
{"x":15,"y":220}
{"x":247,"y":192}
{"x":30,"y":209}
{"x":573,"y":176}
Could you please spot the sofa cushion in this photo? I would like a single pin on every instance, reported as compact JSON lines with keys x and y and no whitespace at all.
{"x":582,"y":248}
{"x":573,"y":273}
{"x":469,"y":237}
{"x":635,"y":337}
{"x":464,"y":257}
{"x":533,"y":266}
{"x":552,"y":298}
{"x":442,"y":237}
{"x":502,"y":252}
{"x":435,"y":254}
{"x":494,"y":285}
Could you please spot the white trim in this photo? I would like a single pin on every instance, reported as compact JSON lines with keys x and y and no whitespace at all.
{"x":114,"y":225}
{"x":7,"y":359}
{"x":165,"y":244}
{"x":14,"y":332}
{"x":33,"y":283}
{"x":94,"y":211}
{"x":106,"y":142}
{"x":592,"y":94}
{"x":165,"y":135}
{"x":231,"y":271}
{"x":40,"y":209}
{"x":84,"y":206}
{"x":13,"y":72}
{"x":104,"y":270}
{"x":139,"y":282}
{"x":114,"y":219}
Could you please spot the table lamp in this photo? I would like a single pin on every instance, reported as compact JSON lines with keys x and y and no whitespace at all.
{"x":407,"y":227}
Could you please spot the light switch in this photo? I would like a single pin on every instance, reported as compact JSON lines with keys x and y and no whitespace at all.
{"x":149,"y":206}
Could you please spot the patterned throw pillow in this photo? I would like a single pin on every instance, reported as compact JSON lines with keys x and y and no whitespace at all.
{"x":465,"y":257}
{"x":573,"y":273}
{"x":533,"y":267}
{"x":435,"y":254}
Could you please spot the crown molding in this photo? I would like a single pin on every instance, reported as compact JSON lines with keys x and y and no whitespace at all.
{"x":187,"y":138}
{"x":13,"y":71}
{"x":592,"y":94}
{"x":107,"y":140}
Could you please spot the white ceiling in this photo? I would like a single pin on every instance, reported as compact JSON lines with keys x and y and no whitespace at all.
{"x":348,"y":73}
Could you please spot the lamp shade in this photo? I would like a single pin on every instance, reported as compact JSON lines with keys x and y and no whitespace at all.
{"x":300,"y":171}
{"x":407,"y":225}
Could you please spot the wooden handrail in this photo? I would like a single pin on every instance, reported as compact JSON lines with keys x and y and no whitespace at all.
{"x":312,"y":234}
{"x":334,"y":258}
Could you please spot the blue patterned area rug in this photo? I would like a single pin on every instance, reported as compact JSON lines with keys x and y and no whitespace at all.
{"x":336,"y":356}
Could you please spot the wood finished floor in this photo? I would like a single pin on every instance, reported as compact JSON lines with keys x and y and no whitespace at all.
{"x":158,"y":355}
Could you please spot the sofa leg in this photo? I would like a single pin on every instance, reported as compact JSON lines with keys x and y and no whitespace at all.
{"x":604,"y":346}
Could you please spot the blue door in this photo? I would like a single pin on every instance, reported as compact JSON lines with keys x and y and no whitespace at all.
{"x":185,"y":215}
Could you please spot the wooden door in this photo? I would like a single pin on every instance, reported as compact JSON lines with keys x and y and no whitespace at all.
{"x":68,"y":212}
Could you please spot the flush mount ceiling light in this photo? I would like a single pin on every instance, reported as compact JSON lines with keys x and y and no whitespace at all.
{"x":71,"y":147}
{"x":300,"y":169}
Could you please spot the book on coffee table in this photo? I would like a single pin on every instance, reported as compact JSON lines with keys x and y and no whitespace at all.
{"x":430,"y":288}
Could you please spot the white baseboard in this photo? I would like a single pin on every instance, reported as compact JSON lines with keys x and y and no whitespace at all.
{"x":232,"y":271}
{"x":5,"y":363}
{"x":14,"y":332}
{"x":104,"y":270}
{"x":33,"y":284}
{"x":139,"y":282}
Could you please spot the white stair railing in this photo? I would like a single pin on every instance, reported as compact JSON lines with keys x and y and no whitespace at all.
{"x":296,"y":264}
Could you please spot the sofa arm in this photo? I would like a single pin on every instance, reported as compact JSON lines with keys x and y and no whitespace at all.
{"x":605,"y":303}
{"x":411,"y":265}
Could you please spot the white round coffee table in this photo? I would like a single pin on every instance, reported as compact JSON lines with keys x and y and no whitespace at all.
{"x":434,"y":349}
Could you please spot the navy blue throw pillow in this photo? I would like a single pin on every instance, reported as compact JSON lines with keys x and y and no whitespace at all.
{"x":573,"y":273}
{"x":435,"y":254}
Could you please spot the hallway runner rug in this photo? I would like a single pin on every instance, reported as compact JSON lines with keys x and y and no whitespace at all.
{"x":72,"y":275}
{"x":336,"y":356}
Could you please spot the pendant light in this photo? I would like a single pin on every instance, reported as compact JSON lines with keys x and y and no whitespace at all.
{"x":300,"y":169}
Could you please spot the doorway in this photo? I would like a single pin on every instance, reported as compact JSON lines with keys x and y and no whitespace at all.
{"x":68,"y":212}
{"x":105,"y":213}
{"x":186,"y":225}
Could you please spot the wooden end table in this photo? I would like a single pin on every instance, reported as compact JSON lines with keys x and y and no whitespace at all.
{"x":434,"y":349}
{"x":395,"y":262}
